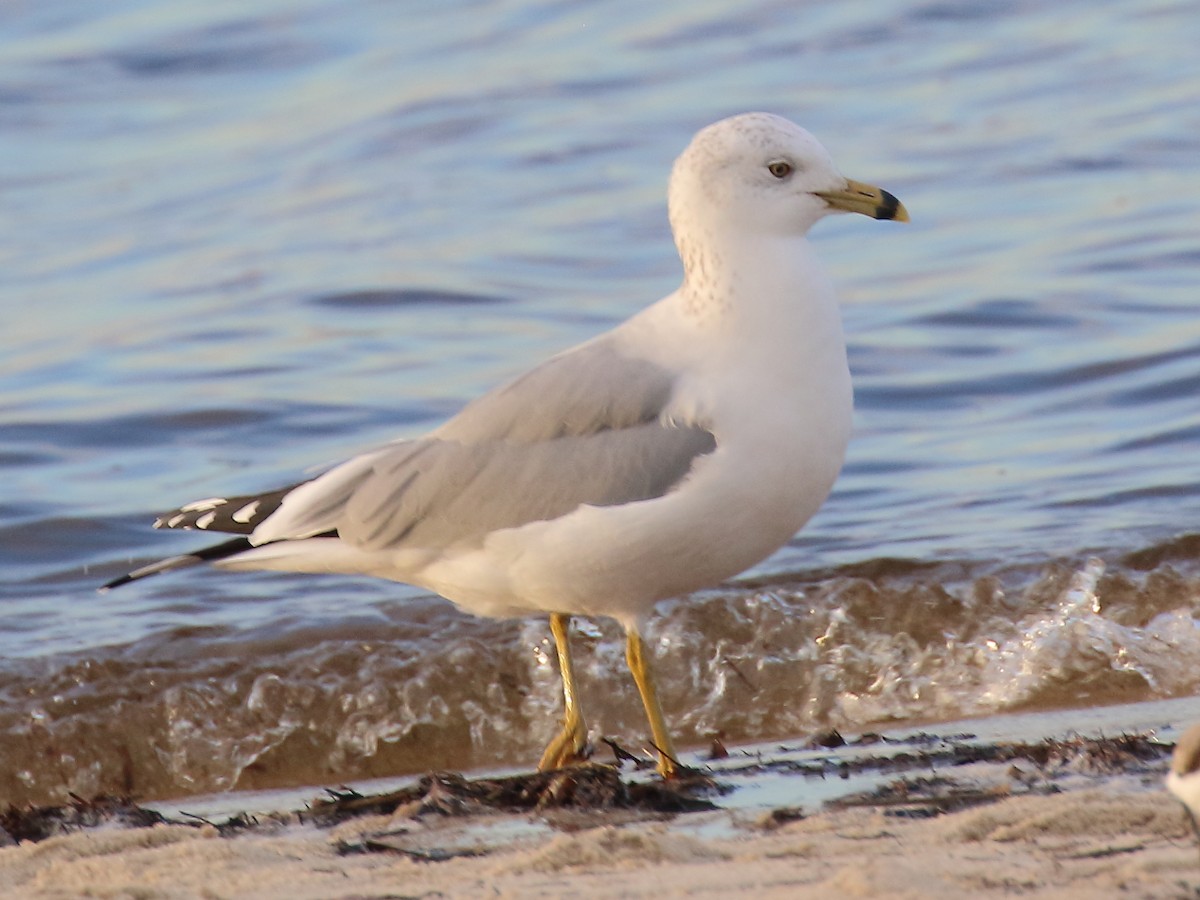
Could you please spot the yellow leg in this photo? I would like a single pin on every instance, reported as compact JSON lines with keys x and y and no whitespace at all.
{"x":567,"y":746}
{"x":635,"y":655}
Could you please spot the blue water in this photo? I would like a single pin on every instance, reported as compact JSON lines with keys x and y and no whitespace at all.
{"x":241,"y":240}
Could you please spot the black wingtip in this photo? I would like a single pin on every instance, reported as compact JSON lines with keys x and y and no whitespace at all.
{"x":115,"y":583}
{"x":206,"y":554}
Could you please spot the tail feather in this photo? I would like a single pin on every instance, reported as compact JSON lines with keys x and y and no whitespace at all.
{"x":232,"y":515}
{"x":207,"y":554}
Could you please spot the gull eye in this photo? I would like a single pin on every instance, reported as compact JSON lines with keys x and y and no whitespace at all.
{"x":780,"y":169}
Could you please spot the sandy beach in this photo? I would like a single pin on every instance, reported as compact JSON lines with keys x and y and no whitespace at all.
{"x":927,"y":814}
{"x":1100,"y":842}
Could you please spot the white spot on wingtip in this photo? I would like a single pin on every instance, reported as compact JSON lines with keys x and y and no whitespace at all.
{"x":202,"y":505}
{"x":246,"y":513}
{"x":174,"y":521}
{"x":205,"y":520}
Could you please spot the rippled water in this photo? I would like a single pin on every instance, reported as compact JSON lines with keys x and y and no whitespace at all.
{"x":244,"y":240}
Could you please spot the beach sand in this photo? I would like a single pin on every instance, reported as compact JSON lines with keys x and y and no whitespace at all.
{"x":1101,"y":842}
{"x":925,"y":815}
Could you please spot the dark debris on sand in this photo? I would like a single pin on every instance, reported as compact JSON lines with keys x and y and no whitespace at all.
{"x":933,"y":795}
{"x":579,"y":793}
{"x":590,"y":787}
{"x":920,"y":798}
{"x":582,"y":789}
{"x":36,"y":823}
{"x":1096,"y":756}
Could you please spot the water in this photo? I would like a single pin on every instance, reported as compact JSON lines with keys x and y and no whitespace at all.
{"x":242,"y":241}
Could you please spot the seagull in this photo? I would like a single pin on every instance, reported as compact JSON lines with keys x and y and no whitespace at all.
{"x":664,"y":456}
{"x":1183,"y":780}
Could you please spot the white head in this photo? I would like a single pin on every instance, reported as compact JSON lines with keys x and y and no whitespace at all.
{"x":757,"y":173}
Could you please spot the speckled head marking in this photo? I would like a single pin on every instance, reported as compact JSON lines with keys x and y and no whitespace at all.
{"x":751,"y":175}
{"x":755,"y":176}
{"x":755,"y":172}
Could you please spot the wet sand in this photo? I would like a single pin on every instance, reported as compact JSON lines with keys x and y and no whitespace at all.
{"x":1027,"y":805}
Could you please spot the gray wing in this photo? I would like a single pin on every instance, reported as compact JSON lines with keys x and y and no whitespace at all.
{"x":582,"y":428}
{"x":591,"y":388}
{"x":585,"y":427}
{"x":430,"y":493}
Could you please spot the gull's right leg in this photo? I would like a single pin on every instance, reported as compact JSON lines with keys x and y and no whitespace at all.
{"x":639,"y":665}
{"x":567,"y":747}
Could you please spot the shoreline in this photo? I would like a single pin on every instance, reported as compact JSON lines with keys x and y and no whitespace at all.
{"x":934,"y":813}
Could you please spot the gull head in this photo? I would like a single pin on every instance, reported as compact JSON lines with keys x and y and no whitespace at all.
{"x":760,"y":174}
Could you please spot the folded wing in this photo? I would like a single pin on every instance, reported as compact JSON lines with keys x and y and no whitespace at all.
{"x":586,"y":427}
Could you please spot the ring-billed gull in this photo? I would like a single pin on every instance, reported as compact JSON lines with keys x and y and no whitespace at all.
{"x":1183,"y":779}
{"x":667,"y":455}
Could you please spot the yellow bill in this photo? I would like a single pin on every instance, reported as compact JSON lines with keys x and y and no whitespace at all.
{"x":857,"y":197}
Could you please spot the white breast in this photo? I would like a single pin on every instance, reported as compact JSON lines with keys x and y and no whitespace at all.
{"x":778,"y":398}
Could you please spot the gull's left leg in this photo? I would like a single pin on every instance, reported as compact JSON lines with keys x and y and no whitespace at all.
{"x":639,"y":665}
{"x":1192,"y":818}
{"x":567,"y":746}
